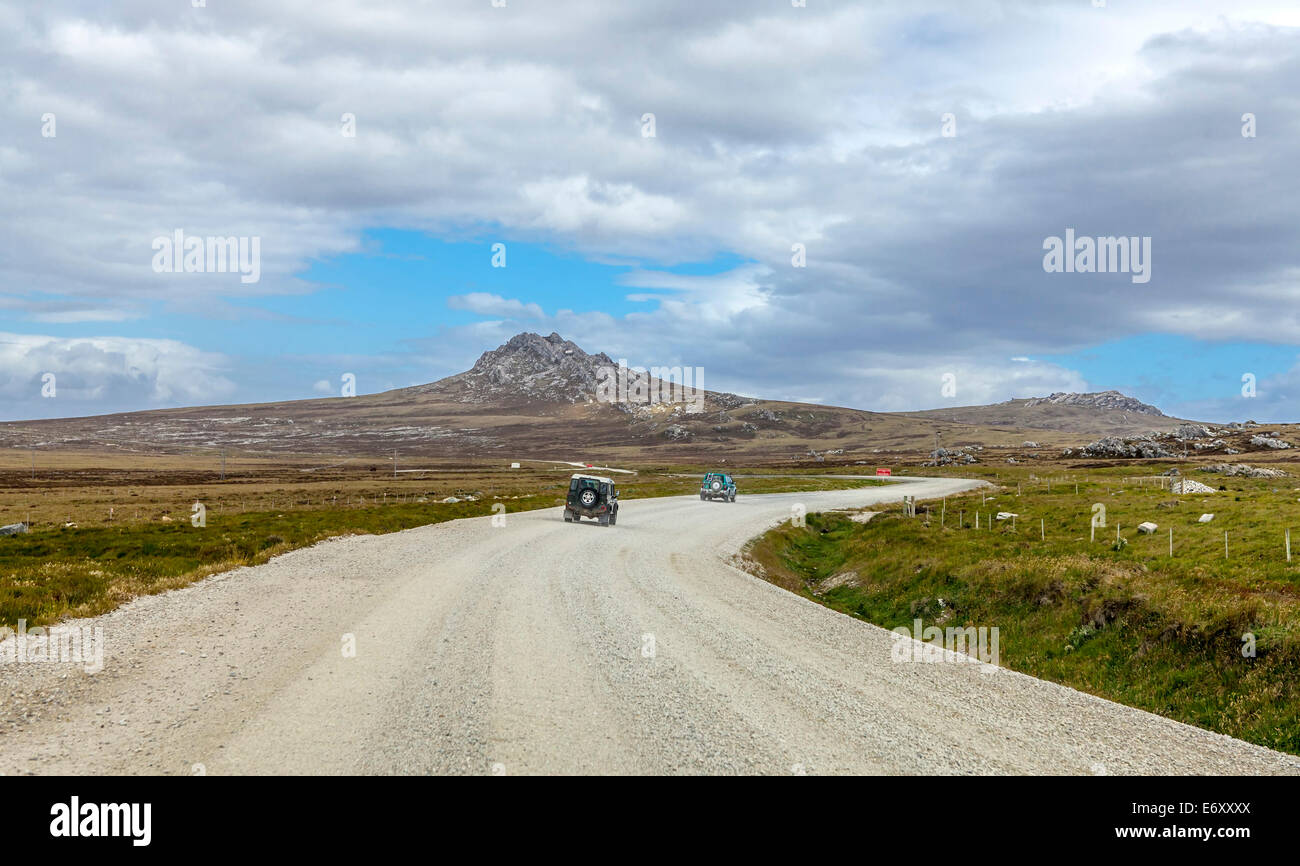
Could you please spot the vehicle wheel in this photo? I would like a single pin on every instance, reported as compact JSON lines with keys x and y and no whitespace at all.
{"x":613,"y":518}
{"x":604,"y":520}
{"x":568,"y":516}
{"x":717,"y":486}
{"x":588,"y":498}
{"x":702,"y":497}
{"x":732,"y":498}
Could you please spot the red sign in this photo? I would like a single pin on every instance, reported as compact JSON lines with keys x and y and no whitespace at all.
{"x":884,"y":472}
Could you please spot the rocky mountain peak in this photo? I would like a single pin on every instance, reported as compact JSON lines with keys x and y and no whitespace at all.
{"x":532,"y":367}
{"x":1108,"y":400}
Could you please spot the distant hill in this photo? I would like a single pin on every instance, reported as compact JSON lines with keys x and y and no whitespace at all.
{"x":540,"y":397}
{"x":1103,"y":413}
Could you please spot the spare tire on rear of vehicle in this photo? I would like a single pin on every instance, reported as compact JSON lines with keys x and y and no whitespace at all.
{"x":717,"y":485}
{"x":589,"y":497}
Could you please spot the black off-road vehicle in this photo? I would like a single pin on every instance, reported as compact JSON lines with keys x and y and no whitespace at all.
{"x":593,"y":497}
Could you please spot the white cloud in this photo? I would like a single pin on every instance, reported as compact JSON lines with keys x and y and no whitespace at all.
{"x":494,"y":305}
{"x":93,"y":374}
{"x":775,"y":125}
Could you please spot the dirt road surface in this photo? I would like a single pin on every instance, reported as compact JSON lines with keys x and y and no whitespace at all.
{"x":546,"y":647}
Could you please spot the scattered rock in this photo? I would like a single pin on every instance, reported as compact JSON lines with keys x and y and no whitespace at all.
{"x":1192,"y":431}
{"x":835,"y":581}
{"x":1265,"y":440}
{"x":1205,"y":518}
{"x":1243,"y":470}
{"x":1148,"y":527}
{"x":1188,"y":486}
{"x":949,"y":457}
{"x":1113,"y":446}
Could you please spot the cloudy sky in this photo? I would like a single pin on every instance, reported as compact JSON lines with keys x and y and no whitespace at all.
{"x":648,"y":169}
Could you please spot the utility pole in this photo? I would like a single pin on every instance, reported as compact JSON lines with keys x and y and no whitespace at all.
{"x":394,"y":462}
{"x":223,"y":465}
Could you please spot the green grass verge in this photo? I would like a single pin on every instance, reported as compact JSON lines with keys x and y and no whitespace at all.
{"x":1165,"y":634}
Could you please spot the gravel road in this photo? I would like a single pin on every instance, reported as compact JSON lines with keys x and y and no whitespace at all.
{"x":545,"y":647}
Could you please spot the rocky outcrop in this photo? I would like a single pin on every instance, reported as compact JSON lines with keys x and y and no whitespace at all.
{"x":1192,"y":431}
{"x":1187,"y":486}
{"x":1244,"y":471}
{"x":950,"y":457}
{"x":1113,"y":446}
{"x":1110,"y":400}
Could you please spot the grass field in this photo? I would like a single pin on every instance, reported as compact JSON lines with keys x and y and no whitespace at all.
{"x":103,"y":536}
{"x":1123,"y":620}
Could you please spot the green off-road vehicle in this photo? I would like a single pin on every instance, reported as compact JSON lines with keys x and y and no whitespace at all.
{"x":718,"y":485}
